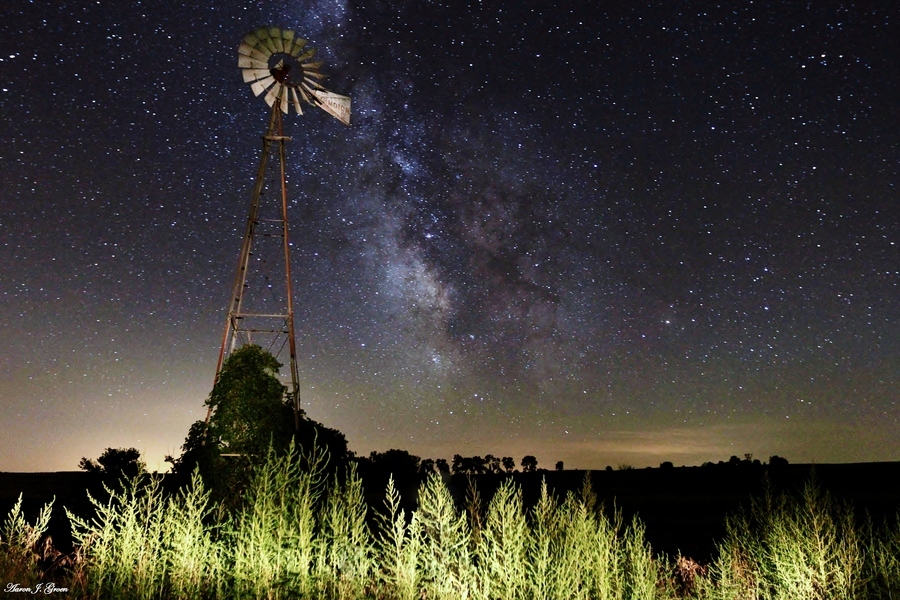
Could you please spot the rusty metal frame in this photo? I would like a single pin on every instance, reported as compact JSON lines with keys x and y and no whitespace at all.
{"x":233,"y":329}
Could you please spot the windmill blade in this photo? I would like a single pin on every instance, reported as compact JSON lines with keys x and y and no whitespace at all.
{"x":313,"y":84}
{"x":306,"y":55}
{"x":307,"y":95}
{"x":275,"y":35}
{"x":245,"y":50}
{"x":262,"y":55}
{"x":275,"y":94}
{"x":261,"y":34}
{"x":334,"y":104}
{"x":313,"y":66}
{"x":299,"y":43}
{"x":288,"y":37}
{"x":315,"y":74}
{"x":250,"y":39}
{"x":262,"y":85}
{"x":254,"y":74}
{"x":296,"y":101}
{"x":263,"y":43}
{"x":267,"y":43}
{"x":248,"y":62}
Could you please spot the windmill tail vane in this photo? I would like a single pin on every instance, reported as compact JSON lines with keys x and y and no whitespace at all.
{"x":277,"y":63}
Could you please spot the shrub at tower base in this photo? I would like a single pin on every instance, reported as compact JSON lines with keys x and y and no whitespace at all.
{"x":251,"y":413}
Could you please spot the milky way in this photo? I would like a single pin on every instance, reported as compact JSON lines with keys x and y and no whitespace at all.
{"x":617,"y":234}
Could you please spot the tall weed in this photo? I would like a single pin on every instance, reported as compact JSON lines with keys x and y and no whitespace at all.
{"x":194,"y":567}
{"x":791,"y":549}
{"x":544,"y":547}
{"x":293,"y":536}
{"x":346,"y":549}
{"x":502,"y":550}
{"x":19,"y":544}
{"x":122,"y":547}
{"x":398,"y":547}
{"x":271,"y":541}
{"x":444,"y":559}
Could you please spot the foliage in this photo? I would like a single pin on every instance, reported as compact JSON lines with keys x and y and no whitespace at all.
{"x":345,"y":562}
{"x":300,"y":534}
{"x":20,"y":543}
{"x":444,"y":558}
{"x":122,"y":547}
{"x":405,"y":468}
{"x":398,"y":548}
{"x":119,"y":462}
{"x":468,"y":465}
{"x":250,"y":415}
{"x":113,"y":466}
{"x":248,"y":403}
{"x":777,"y":461}
{"x":270,"y":543}
{"x":802,"y":548}
{"x":529,"y":464}
{"x":492,"y":463}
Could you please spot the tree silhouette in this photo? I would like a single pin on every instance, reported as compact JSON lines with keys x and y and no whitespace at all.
{"x":115,"y":463}
{"x":457,"y":465}
{"x":442,"y":465}
{"x":492,"y":463}
{"x":474,"y":465}
{"x":559,"y":465}
{"x":509,"y":463}
{"x":399,"y":463}
{"x":426,"y":467}
{"x":250,"y":413}
{"x":529,"y":464}
{"x":777,"y":461}
{"x":407,"y":471}
{"x":113,"y":466}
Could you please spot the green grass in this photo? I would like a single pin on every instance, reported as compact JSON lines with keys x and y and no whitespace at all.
{"x":296,"y":535}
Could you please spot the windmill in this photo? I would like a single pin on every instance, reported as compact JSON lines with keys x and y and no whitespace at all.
{"x":278,"y":65}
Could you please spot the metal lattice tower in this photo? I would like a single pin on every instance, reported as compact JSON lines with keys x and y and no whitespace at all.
{"x":261,"y":307}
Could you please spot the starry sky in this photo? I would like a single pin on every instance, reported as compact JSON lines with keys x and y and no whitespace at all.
{"x":599,"y":232}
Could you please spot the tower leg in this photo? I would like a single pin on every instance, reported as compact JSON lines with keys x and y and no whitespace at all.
{"x":242,"y":321}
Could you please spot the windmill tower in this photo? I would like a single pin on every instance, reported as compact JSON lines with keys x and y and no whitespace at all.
{"x":277,"y":64}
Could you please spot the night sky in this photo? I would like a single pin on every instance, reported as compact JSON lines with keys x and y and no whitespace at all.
{"x":600,"y":232}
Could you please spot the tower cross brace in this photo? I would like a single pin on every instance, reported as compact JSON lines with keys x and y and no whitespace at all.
{"x":244,"y":323}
